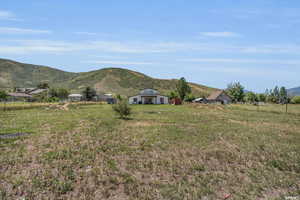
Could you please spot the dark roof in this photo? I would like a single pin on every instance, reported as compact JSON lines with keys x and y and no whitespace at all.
{"x":215,"y":95}
{"x":149,"y":92}
{"x":37,"y":91}
{"x":18,"y":94}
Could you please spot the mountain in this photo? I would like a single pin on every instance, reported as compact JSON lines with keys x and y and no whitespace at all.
{"x":294,"y":91}
{"x":109,"y":80}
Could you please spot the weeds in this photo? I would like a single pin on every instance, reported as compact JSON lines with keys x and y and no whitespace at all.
{"x":165,"y":152}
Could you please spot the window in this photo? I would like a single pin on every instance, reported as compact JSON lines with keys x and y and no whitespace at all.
{"x":162,"y":100}
{"x":135,"y":100}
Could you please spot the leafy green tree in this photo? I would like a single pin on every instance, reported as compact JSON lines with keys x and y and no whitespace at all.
{"x":236,"y":92}
{"x":59,"y":93}
{"x":261,"y":97}
{"x":43,"y":85}
{"x":189,"y":98}
{"x":296,"y":100}
{"x":3,"y":95}
{"x":276,"y":94}
{"x":270,"y":96}
{"x":89,"y":93}
{"x":53,"y":92}
{"x":283,"y":95}
{"x":251,"y":97}
{"x":182,"y":88}
{"x":122,"y":107}
{"x":63,"y":93}
{"x":173,"y":95}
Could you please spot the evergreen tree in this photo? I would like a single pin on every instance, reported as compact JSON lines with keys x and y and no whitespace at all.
{"x":283,"y":95}
{"x":89,"y":93}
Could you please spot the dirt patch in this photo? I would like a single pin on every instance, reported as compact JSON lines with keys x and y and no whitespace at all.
{"x":64,"y":107}
{"x":146,"y":124}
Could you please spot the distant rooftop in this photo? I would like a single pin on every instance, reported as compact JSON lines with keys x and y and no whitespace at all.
{"x":149,"y":92}
{"x":19,"y":94}
{"x":75,"y":95}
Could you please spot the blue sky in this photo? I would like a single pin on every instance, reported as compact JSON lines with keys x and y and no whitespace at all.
{"x":209,"y":42}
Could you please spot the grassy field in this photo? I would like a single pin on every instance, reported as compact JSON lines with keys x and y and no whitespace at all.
{"x":162,"y":152}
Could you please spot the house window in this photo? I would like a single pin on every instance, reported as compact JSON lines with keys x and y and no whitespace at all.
{"x":135,"y":100}
{"x":162,"y":100}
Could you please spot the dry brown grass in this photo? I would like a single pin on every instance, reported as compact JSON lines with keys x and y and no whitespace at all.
{"x":163,"y":152}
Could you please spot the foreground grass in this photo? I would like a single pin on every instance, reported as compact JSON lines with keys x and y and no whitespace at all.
{"x":163,"y":152}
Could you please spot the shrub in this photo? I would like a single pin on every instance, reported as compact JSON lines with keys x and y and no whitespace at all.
{"x":250,"y":97}
{"x":122,"y":108}
{"x":189,"y":98}
{"x":296,"y":100}
{"x":3,"y":95}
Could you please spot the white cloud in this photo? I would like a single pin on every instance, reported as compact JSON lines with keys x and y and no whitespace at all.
{"x":220,"y":34}
{"x":118,"y":62}
{"x":86,"y":33}
{"x":7,"y":15}
{"x":97,"y":47}
{"x":13,"y":30}
{"x":243,"y":61}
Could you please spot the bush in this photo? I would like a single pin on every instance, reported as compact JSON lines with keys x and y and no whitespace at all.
{"x":189,"y":98}
{"x":53,"y":99}
{"x":122,"y":108}
{"x":3,"y":95}
{"x":250,"y":97}
{"x":296,"y":100}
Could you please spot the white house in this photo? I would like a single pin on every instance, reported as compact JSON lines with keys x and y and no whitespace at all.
{"x":149,"y":96}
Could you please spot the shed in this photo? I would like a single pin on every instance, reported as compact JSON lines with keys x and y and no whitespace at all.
{"x":219,"y":96}
{"x":75,"y":97}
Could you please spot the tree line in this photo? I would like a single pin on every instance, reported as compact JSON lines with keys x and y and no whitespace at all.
{"x":278,"y":95}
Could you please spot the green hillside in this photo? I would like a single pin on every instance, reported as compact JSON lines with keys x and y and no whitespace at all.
{"x":15,"y":74}
{"x":109,"y":80}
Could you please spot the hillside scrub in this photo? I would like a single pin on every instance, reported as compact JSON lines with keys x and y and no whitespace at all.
{"x":112,"y":80}
{"x":296,"y":100}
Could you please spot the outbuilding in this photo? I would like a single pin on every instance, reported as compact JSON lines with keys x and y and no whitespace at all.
{"x":219,"y":96}
{"x":75,"y":97}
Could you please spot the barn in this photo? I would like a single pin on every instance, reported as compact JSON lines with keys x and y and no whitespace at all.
{"x":219,"y":96}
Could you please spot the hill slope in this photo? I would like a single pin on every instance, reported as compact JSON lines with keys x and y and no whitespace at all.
{"x":111,"y":80}
{"x":294,"y":91}
{"x":15,"y":74}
